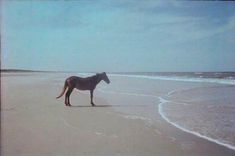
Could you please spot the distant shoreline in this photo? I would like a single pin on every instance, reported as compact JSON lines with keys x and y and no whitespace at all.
{"x":18,"y":70}
{"x":26,"y":71}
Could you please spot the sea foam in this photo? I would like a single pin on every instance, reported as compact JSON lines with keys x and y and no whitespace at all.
{"x":183,"y":79}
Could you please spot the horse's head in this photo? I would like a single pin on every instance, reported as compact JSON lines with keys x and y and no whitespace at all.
{"x":105,"y":77}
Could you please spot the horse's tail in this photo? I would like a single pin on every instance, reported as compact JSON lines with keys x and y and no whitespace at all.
{"x":64,"y":89}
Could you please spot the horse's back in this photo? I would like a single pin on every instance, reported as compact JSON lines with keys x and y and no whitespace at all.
{"x":72,"y":80}
{"x":80,"y":82}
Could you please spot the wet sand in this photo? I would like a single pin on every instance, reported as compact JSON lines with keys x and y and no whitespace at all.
{"x":35,"y":123}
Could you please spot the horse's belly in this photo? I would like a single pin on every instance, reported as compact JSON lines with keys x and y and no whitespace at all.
{"x":83,"y":87}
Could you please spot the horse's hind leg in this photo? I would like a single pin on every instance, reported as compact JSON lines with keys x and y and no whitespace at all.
{"x":66,"y":99}
{"x":68,"y":93}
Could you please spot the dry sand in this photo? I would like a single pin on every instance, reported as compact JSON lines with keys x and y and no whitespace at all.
{"x":35,"y":123}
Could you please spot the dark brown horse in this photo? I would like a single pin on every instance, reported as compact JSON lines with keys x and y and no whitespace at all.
{"x":88,"y":83}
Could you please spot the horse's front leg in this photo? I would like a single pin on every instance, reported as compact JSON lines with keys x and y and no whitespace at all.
{"x":91,"y":94}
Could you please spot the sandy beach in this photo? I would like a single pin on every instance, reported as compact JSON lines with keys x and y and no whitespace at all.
{"x":35,"y":123}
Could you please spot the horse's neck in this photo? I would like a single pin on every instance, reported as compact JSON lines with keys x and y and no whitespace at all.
{"x":97,"y":79}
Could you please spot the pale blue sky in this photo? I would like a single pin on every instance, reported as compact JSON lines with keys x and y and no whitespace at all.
{"x":118,"y":35}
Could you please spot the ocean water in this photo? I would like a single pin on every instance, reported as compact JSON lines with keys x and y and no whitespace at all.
{"x":202,"y":104}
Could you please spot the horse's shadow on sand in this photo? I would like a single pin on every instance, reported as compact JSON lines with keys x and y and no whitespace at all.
{"x":80,"y":106}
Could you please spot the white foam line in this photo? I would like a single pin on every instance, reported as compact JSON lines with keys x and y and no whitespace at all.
{"x":126,"y":93}
{"x":171,"y":92}
{"x":162,"y":101}
{"x":135,"y":117}
{"x":183,"y":79}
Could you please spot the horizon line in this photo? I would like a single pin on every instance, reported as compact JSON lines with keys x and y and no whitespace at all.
{"x":61,"y":71}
